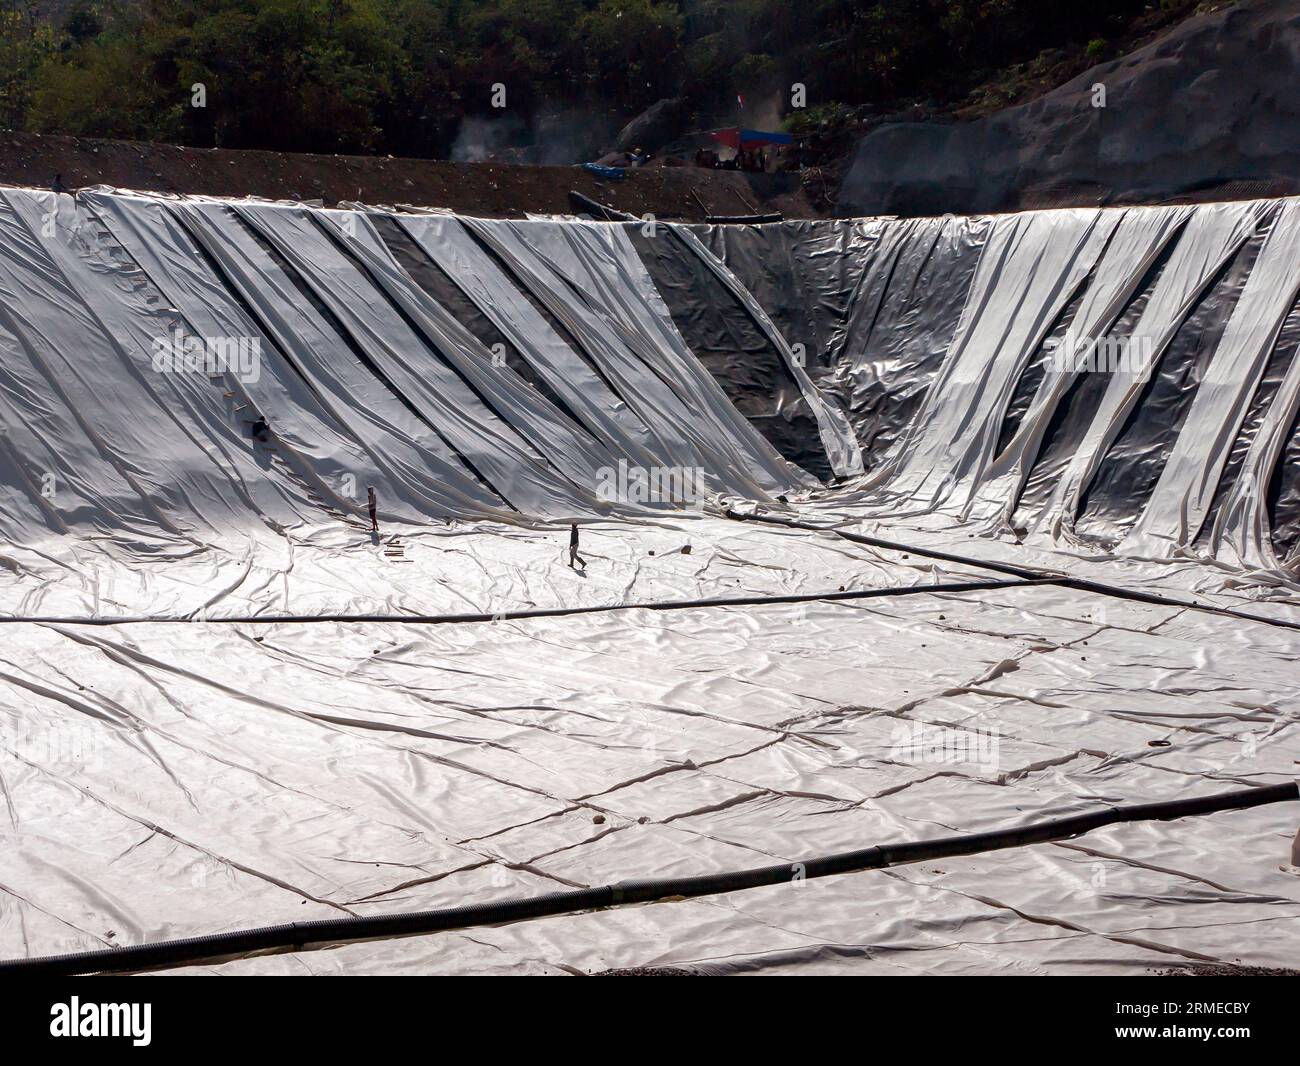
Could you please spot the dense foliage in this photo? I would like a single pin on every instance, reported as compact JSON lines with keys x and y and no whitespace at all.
{"x":399,"y":76}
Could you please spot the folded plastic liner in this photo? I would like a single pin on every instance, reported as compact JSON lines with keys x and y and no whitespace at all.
{"x":837,"y":437}
{"x":585,"y":392}
{"x":727,"y":341}
{"x":1137,"y":238}
{"x":226,"y":702}
{"x":309,"y":384}
{"x":1028,"y":270}
{"x":1176,"y":509}
{"x":649,"y":375}
{"x":1211,"y":237}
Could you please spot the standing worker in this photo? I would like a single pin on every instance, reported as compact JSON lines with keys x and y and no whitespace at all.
{"x":374,"y":517}
{"x":573,"y":547}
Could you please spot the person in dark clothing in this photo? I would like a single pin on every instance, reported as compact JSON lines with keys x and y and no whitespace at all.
{"x":374,"y":517}
{"x":261,"y":431}
{"x":58,"y":185}
{"x":573,"y":548}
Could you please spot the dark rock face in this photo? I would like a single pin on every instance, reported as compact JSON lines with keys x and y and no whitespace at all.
{"x":654,"y":127}
{"x":1211,"y":103}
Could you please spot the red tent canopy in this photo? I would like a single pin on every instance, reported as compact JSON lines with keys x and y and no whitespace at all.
{"x":737,"y":138}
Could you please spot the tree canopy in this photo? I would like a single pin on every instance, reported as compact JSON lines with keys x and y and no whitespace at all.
{"x":400,"y":76}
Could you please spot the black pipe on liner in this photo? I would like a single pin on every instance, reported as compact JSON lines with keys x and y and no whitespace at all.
{"x":746,"y":220}
{"x":542,"y":612}
{"x":1044,"y":576}
{"x":297,"y":935}
{"x":599,"y":210}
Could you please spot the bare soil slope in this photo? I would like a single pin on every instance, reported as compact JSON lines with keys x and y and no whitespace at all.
{"x":495,"y":190}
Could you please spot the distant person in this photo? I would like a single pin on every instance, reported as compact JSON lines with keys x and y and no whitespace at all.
{"x":57,"y":185}
{"x":374,"y":514}
{"x":573,"y":548}
{"x":260,"y":430}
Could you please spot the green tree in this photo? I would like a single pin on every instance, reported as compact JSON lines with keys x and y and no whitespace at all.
{"x":25,"y":43}
{"x":632,"y":49}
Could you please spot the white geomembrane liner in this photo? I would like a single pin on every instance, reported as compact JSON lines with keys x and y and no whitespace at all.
{"x":225,"y":703}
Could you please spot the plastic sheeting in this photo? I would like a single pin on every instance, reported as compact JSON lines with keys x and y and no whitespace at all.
{"x":1211,"y":237}
{"x":340,"y":320}
{"x":725,"y":338}
{"x":225,"y":702}
{"x":276,"y":773}
{"x":1137,"y":238}
{"x":1028,"y":270}
{"x":1026,"y":438}
{"x":837,"y":437}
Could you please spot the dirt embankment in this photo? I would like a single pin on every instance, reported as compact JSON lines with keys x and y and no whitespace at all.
{"x":495,"y":190}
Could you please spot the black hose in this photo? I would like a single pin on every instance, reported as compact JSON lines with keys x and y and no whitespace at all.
{"x":1044,"y":576}
{"x":745,"y":220}
{"x":540,"y":612}
{"x":297,"y":935}
{"x":599,"y":210}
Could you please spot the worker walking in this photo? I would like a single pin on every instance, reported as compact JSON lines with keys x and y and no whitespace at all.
{"x":573,"y":548}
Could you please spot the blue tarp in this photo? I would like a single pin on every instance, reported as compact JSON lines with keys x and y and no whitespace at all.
{"x":611,"y":173}
{"x":747,"y":139}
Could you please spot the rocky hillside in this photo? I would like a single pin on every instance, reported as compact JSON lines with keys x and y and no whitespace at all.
{"x":1207,"y":110}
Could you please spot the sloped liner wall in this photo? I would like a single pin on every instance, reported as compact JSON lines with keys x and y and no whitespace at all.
{"x":943,"y":338}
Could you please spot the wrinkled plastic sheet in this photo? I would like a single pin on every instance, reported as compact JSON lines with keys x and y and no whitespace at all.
{"x":726,"y":339}
{"x":1102,"y":459}
{"x":266,"y":733}
{"x":247,"y":774}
